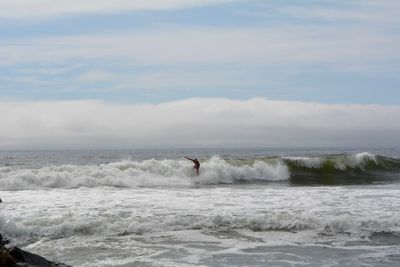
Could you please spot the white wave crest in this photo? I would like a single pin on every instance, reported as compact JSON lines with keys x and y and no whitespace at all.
{"x":360,"y":159}
{"x":218,"y":170}
{"x":309,"y":162}
{"x":67,"y":225}
{"x":130,"y":173}
{"x":343,"y":162}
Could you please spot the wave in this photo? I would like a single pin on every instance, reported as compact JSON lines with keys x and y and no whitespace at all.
{"x":66,"y":226}
{"x":140,"y":174}
{"x":361,"y":168}
{"x":329,"y":169}
{"x":335,"y":162}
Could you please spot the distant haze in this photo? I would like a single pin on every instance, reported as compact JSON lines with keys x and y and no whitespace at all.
{"x":195,"y":122}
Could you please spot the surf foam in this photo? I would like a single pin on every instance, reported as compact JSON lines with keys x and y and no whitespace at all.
{"x":215,"y":170}
{"x":130,"y":173}
{"x":338,"y":162}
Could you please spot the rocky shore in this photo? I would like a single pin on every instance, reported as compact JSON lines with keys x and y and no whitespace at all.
{"x":11,"y":256}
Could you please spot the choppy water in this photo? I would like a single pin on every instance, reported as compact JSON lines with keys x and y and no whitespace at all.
{"x":279,"y":207}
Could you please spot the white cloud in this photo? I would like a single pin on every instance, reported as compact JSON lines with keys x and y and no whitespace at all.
{"x":374,"y":13}
{"x":28,"y":9}
{"x":95,"y":76}
{"x":49,"y":70}
{"x":187,"y":79}
{"x":356,"y":48}
{"x":331,"y":14}
{"x":195,"y":122}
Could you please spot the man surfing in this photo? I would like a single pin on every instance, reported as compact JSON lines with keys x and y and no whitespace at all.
{"x":196,"y":164}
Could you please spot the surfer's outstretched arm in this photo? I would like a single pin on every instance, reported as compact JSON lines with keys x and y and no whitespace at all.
{"x":196,"y":164}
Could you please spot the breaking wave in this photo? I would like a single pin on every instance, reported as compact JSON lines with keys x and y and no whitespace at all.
{"x":67,"y":226}
{"x":140,"y":174}
{"x":360,"y":168}
{"x":330,"y":169}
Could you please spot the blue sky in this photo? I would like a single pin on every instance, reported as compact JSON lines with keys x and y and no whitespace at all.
{"x":199,"y":73}
{"x":318,"y":51}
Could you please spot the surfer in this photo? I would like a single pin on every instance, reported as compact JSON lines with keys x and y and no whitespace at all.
{"x":196,"y":164}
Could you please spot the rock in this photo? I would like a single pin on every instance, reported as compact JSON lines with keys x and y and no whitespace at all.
{"x":3,"y":241}
{"x":21,"y":256}
{"x":14,"y":257}
{"x":6,"y":260}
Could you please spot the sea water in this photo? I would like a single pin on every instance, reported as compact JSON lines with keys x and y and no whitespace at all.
{"x":254,"y":207}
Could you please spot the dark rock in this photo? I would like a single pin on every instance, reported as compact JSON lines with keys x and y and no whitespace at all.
{"x":3,"y":241}
{"x":24,"y":257}
{"x":14,"y":257}
{"x":6,"y":260}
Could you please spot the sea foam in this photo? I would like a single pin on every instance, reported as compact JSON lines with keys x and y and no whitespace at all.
{"x":214,"y":170}
{"x":130,"y":173}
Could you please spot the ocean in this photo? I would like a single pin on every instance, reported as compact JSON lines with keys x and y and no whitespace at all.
{"x":248,"y":207}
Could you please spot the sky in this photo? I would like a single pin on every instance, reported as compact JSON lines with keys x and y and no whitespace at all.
{"x":201,"y":73}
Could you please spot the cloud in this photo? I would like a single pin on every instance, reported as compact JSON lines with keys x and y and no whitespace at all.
{"x":339,"y":47}
{"x":96,"y":76}
{"x":195,"y":123}
{"x":200,"y":80}
{"x":349,"y":12}
{"x":33,"y":9}
{"x":49,"y":70}
{"x":369,"y":12}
